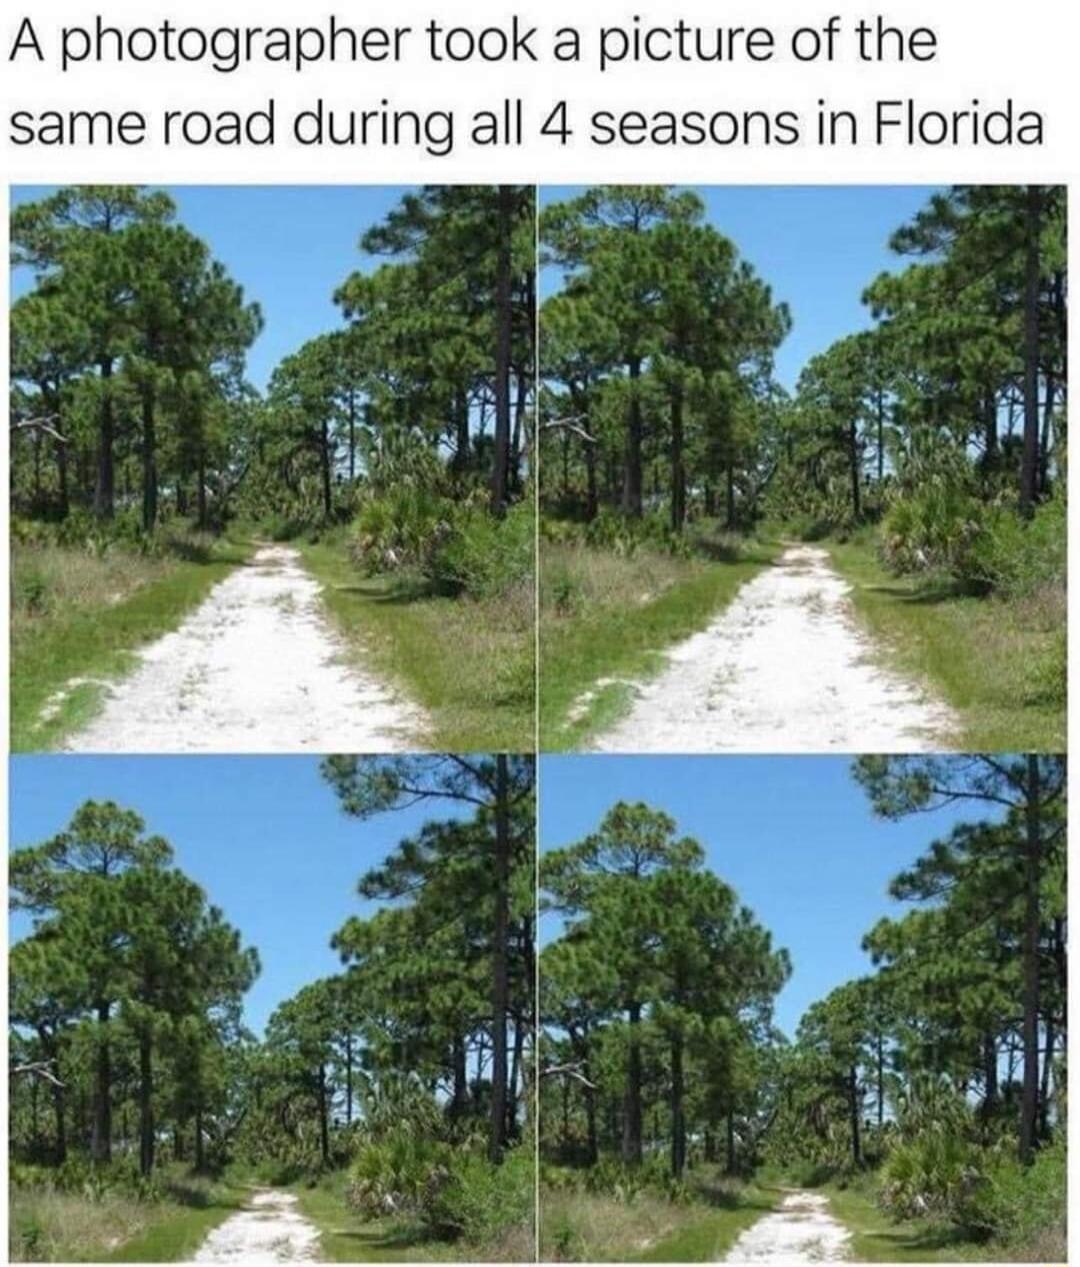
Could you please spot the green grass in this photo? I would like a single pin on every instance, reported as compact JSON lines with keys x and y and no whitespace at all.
{"x":876,"y":1238}
{"x":606,"y":620}
{"x":180,"y":1231}
{"x":53,"y":1226}
{"x":468,"y":663}
{"x":72,"y":637}
{"x":345,"y":1238}
{"x":597,"y":1227}
{"x":989,"y":658}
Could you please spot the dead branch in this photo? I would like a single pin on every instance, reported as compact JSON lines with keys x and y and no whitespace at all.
{"x":573,"y":424}
{"x":572,"y":1069}
{"x":37,"y":1069}
{"x":43,"y":423}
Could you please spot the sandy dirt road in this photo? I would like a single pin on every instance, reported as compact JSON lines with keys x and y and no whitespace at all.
{"x":784,"y":668}
{"x":270,"y":1230}
{"x":801,"y":1231}
{"x":256,"y":668}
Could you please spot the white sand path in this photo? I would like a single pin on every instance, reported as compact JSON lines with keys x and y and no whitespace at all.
{"x":801,"y":1230}
{"x":784,"y":668}
{"x":256,"y":668}
{"x":270,"y":1230}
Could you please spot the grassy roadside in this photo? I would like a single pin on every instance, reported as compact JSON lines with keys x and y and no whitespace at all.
{"x":606,"y":619}
{"x":181,"y":1231}
{"x":89,"y":617}
{"x":596,"y":1227}
{"x":468,"y":662}
{"x":987,"y":657}
{"x":344,"y":1237}
{"x":54,"y":1226}
{"x":876,"y":1238}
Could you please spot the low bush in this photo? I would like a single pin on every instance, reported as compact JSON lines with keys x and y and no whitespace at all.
{"x":983,"y":546}
{"x":479,"y":1202}
{"x":455,"y":546}
{"x":453,"y":1192}
{"x":486,"y":556}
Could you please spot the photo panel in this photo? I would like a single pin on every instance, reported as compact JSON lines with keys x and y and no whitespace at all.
{"x":802,"y":477}
{"x":803,"y":1008}
{"x":270,"y":468}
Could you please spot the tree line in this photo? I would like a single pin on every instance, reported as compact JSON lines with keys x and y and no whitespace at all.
{"x":961,"y":377}
{"x":945,"y":1058}
{"x":656,"y":998}
{"x":434,"y":1002}
{"x":125,"y":999}
{"x":128,"y":364}
{"x":127,"y":1033}
{"x":970,"y":988}
{"x":656,"y":355}
{"x":127,"y":359}
{"x":430,"y":379}
{"x":659,"y":393}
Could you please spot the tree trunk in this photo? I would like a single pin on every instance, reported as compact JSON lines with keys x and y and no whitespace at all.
{"x":1029,"y":1099}
{"x":678,"y":1119}
{"x":1029,"y":471}
{"x":515,"y":1075}
{"x":149,"y":462}
{"x":352,"y":435}
{"x":62,"y":478}
{"x":500,"y":981}
{"x":853,"y":1095}
{"x":104,"y":488}
{"x":146,"y":1105}
{"x":632,"y":474}
{"x":853,"y":455}
{"x":730,"y":1141}
{"x":60,"y":1151}
{"x":880,"y":1081}
{"x":631,"y":1129}
{"x":324,"y":1118}
{"x":730,"y":496}
{"x":591,"y":1142}
{"x":1047,"y":435}
{"x":461,"y":433}
{"x":514,"y":476}
{"x":592,"y":499}
{"x":880,"y":439}
{"x":348,"y":1079}
{"x":101,"y":1136}
{"x":327,"y":493}
{"x":459,"y":1103}
{"x":678,"y":470}
{"x":1044,"y":1086}
{"x":504,"y":316}
{"x":200,"y":1150}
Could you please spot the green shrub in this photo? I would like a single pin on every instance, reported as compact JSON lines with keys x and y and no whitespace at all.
{"x":399,"y":1173}
{"x":1016,"y":557}
{"x":933,"y":529}
{"x":486,"y":556}
{"x":935,"y":1175}
{"x":478,"y":1201}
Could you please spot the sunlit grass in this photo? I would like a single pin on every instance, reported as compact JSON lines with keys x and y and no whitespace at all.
{"x":995,"y":661}
{"x":606,"y":619}
{"x":469,"y":663}
{"x":77,"y":617}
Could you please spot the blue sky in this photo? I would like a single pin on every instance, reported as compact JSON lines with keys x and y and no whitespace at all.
{"x":290,"y":247}
{"x":818,"y":246}
{"x":262,"y":835}
{"x":794,"y":836}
